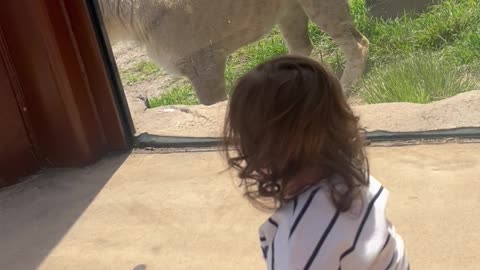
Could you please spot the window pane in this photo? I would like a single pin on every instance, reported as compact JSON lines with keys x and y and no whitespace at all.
{"x":420,"y":74}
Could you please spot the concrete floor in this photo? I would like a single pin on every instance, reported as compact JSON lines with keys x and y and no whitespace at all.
{"x":178,"y":211}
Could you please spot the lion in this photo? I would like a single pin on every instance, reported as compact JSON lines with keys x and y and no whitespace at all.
{"x":193,"y":38}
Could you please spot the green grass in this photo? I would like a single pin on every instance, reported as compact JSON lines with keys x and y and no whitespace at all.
{"x":449,"y":33}
{"x":178,"y":94}
{"x":418,"y":79}
{"x":452,"y":24}
{"x":140,"y":72}
{"x":250,"y":56}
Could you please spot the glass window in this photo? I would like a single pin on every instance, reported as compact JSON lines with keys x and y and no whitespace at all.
{"x":178,"y":60}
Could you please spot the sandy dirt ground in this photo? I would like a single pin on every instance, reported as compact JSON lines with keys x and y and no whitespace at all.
{"x":129,"y":54}
{"x":179,"y":211}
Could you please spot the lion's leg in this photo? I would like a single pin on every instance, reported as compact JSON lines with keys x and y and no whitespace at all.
{"x":294,"y":28}
{"x":333,"y":17}
{"x":205,"y":70}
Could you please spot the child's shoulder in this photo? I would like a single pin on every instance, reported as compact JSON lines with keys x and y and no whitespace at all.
{"x":311,"y":221}
{"x":321,"y":193}
{"x":316,"y":201}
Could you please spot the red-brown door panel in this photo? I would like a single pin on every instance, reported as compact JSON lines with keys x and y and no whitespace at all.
{"x":17,"y":158}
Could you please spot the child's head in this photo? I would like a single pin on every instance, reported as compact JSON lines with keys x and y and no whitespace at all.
{"x":287,"y":115}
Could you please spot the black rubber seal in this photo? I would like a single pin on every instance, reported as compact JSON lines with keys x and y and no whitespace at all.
{"x":148,"y":140}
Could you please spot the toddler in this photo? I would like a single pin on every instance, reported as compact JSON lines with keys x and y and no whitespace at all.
{"x":299,"y":150}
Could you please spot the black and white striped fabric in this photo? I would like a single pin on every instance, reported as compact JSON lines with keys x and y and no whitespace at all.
{"x":309,"y":233}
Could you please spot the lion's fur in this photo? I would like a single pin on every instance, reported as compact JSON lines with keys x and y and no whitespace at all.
{"x":193,"y":37}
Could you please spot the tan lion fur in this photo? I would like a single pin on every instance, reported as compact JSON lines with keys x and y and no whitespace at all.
{"x":193,"y":38}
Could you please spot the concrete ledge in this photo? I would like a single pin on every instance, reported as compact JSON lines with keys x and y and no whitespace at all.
{"x":207,"y":121}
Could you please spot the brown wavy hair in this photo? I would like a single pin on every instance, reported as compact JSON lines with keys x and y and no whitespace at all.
{"x":288,"y":114}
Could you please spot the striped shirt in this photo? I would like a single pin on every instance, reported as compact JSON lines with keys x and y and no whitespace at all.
{"x":309,"y":233}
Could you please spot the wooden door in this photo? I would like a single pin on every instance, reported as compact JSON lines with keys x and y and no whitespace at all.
{"x":59,"y":106}
{"x":17,"y":158}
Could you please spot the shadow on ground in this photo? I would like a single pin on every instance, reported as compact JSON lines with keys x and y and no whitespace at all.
{"x":35,"y":216}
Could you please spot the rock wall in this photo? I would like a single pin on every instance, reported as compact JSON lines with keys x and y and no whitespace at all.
{"x":389,"y":9}
{"x":207,"y":121}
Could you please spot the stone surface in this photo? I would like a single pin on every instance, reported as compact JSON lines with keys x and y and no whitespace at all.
{"x":180,"y":211}
{"x":388,"y":9}
{"x":207,"y":121}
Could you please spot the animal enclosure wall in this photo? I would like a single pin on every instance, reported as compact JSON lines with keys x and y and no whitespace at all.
{"x":420,"y":73}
